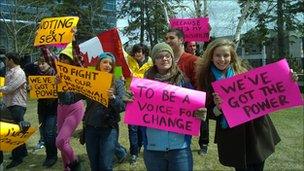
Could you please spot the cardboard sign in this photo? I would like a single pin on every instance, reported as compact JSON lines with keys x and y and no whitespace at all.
{"x":164,"y":106}
{"x":92,"y":84}
{"x":194,"y":29}
{"x":11,"y":137}
{"x":42,"y":87}
{"x":2,"y":81}
{"x":58,"y":30}
{"x":257,"y":93}
{"x":118,"y":72}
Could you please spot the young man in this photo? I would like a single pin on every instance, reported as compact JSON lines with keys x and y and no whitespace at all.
{"x":14,"y":98}
{"x":139,"y":62}
{"x":186,"y":63}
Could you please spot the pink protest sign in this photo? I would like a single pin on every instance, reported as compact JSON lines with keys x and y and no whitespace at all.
{"x":195,"y":29}
{"x":257,"y":93}
{"x":164,"y":106}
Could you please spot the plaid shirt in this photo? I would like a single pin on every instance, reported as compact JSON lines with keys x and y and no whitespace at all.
{"x":14,"y":89}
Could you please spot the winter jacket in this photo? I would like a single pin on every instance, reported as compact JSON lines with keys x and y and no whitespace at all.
{"x":160,"y":140}
{"x":249,"y":143}
{"x":136,"y":70}
{"x":98,"y":115}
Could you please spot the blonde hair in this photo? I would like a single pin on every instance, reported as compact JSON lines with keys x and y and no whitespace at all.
{"x":203,"y":64}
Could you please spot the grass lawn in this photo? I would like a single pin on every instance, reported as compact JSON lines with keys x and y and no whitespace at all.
{"x":289,"y":153}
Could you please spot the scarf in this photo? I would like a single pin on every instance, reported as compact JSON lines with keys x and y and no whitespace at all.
{"x":219,"y":75}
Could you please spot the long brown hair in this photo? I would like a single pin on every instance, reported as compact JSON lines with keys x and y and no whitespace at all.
{"x":203,"y":64}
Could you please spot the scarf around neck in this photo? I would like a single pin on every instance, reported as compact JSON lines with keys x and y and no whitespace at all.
{"x":219,"y":75}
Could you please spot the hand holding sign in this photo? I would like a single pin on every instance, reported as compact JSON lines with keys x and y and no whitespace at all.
{"x":164,"y":106}
{"x":256,"y":93}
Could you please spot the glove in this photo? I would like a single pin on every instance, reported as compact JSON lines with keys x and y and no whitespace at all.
{"x":128,"y":97}
{"x":24,"y":126}
{"x":201,"y":113}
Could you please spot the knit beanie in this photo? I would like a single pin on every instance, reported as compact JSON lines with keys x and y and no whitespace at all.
{"x":68,"y":51}
{"x":107,"y":55}
{"x":160,"y":47}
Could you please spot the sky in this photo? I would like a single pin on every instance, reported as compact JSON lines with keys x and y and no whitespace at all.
{"x":223,"y":17}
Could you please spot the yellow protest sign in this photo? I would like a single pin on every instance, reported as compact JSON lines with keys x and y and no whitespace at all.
{"x":42,"y":87}
{"x":2,"y":81}
{"x":56,"y":30}
{"x":11,"y":137}
{"x":92,"y":84}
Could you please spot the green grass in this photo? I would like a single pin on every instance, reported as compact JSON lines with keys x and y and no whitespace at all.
{"x":289,"y":153}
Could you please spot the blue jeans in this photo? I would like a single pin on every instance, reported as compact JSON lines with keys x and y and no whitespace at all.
{"x":100,"y":146}
{"x":48,"y":129}
{"x":120,"y":151}
{"x":17,"y":113}
{"x":177,"y":160}
{"x":135,"y":139}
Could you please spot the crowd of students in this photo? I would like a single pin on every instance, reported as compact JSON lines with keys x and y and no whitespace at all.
{"x":245,"y":147}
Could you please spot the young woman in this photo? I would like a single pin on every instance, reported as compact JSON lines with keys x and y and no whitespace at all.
{"x":166,"y":150}
{"x":70,"y":112}
{"x":47,"y":114}
{"x":101,"y":122}
{"x":243,"y":147}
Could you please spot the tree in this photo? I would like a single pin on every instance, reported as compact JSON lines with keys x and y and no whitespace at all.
{"x":92,"y":17}
{"x":20,"y":19}
{"x":280,"y":17}
{"x":147,"y":18}
{"x":246,"y":10}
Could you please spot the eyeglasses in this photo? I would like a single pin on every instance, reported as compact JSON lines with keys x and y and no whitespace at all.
{"x":167,"y":56}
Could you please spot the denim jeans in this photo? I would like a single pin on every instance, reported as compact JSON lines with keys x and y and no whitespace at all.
{"x":48,"y":129}
{"x":204,"y":137}
{"x":17,"y":113}
{"x":100,"y":146}
{"x":135,"y":139}
{"x":177,"y":160}
{"x":120,"y":151}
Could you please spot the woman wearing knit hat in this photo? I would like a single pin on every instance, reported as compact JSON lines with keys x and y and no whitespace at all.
{"x":166,"y":150}
{"x":101,"y":122}
{"x":70,"y":112}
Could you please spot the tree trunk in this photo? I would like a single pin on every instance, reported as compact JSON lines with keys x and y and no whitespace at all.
{"x":197,"y":7}
{"x":280,"y":25}
{"x":245,"y":12}
{"x":142,"y":20}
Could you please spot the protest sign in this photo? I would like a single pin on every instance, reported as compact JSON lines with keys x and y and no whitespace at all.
{"x":164,"y":106}
{"x":118,"y":72}
{"x":257,"y":93}
{"x":11,"y":137}
{"x":194,"y":29}
{"x":57,"y":30}
{"x":92,"y":84}
{"x":2,"y":81}
{"x":42,"y":87}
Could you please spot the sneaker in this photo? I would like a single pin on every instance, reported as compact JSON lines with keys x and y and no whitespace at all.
{"x":49,"y":162}
{"x":203,"y":151}
{"x":13,"y":163}
{"x":122,"y":159}
{"x":133,"y":159}
{"x":39,"y":145}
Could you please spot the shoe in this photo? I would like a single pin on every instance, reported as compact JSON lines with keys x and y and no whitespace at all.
{"x":13,"y":163}
{"x":49,"y":162}
{"x":75,"y":166}
{"x":122,"y":159}
{"x":203,"y":151}
{"x":39,"y":145}
{"x":133,"y":159}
